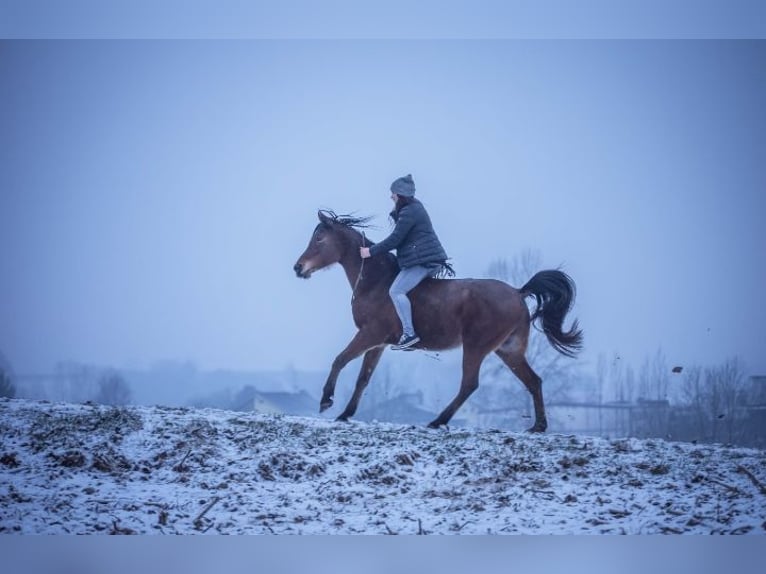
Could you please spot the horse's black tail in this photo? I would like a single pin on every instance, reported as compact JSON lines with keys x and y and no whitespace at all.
{"x":555,"y":292}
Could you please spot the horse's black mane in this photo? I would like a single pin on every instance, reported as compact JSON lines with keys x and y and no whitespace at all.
{"x":349,"y":220}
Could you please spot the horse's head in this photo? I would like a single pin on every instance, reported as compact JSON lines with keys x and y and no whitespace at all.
{"x":326,"y":245}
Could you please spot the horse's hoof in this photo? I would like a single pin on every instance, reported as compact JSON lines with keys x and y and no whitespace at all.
{"x":434,"y":425}
{"x":536,"y":429}
{"x":342,"y":418}
{"x":324,"y":405}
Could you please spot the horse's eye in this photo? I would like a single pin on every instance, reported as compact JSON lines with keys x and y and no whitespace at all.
{"x":320,"y":234}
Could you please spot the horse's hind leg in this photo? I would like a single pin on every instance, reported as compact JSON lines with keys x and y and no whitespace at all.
{"x":471,"y":362}
{"x":369,"y":363}
{"x":517,"y":362}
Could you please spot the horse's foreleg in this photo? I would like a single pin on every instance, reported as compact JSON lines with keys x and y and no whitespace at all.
{"x":358,"y":345}
{"x":470,"y":382}
{"x":369,"y":363}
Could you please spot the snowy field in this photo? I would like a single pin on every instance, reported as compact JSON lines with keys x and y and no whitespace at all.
{"x":88,"y":469}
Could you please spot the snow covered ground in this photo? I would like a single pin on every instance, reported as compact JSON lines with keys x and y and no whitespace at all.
{"x":90,"y":469}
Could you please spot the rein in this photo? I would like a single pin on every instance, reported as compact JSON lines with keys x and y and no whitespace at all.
{"x":361,"y":268}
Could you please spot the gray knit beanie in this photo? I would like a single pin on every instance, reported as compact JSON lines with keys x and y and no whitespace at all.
{"x":404,"y":186}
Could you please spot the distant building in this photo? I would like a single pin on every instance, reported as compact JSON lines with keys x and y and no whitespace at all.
{"x":756,"y":391}
{"x":298,"y":404}
{"x":405,"y":409}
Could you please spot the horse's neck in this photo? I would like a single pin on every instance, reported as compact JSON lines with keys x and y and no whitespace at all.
{"x":362,"y":273}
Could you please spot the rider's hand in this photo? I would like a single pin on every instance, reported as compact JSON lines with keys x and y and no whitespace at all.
{"x":364,"y":252}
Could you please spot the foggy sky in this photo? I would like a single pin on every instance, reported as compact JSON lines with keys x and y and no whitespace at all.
{"x":155,"y":195}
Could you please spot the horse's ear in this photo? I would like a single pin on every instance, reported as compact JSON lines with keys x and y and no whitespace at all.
{"x":323,"y":216}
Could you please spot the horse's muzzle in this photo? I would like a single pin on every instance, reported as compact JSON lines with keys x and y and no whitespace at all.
{"x":298,"y":268}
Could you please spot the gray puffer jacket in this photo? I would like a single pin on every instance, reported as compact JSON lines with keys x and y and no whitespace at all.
{"x":413,"y":238}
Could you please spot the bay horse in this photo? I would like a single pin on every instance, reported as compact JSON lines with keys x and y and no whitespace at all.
{"x":482,"y":315}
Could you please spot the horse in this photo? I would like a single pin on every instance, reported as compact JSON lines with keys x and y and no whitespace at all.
{"x":482,"y":315}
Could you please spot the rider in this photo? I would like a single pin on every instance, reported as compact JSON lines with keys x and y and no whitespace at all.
{"x":418,"y":251}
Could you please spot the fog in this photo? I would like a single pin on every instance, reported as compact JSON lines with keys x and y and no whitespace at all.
{"x":154,"y":195}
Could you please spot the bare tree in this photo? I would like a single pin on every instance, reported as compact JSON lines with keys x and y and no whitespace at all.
{"x":652,"y":416}
{"x":518,"y":270}
{"x":692,"y":397}
{"x":7,"y":388}
{"x":601,"y":377}
{"x":644,"y":380}
{"x":601,"y":372}
{"x":630,"y":384}
{"x":113,"y":389}
{"x":725,"y":390}
{"x":714,"y":397}
{"x":659,"y":374}
{"x":613,"y":381}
